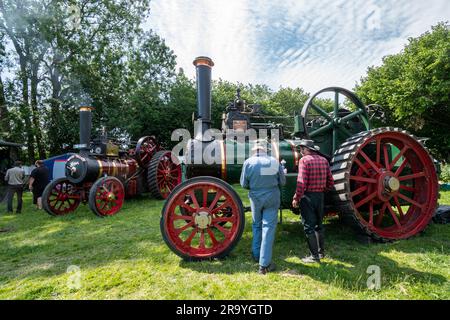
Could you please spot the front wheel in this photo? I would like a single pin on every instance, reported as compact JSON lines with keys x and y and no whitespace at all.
{"x":106,"y":196}
{"x":61,"y":197}
{"x":203,"y":218}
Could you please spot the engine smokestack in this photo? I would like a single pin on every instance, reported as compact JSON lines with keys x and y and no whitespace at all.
{"x":85,"y":128}
{"x":204,"y":66}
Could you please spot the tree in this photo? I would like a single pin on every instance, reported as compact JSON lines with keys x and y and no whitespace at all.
{"x":414,"y":87}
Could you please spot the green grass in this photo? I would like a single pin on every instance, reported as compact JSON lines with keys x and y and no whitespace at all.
{"x":124,"y":257}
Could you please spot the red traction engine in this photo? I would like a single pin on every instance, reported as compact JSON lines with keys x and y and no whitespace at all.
{"x":386,"y":185}
{"x":103,"y":176}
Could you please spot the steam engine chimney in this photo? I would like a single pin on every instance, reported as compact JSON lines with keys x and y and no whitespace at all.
{"x":85,"y":128}
{"x":203,"y":66}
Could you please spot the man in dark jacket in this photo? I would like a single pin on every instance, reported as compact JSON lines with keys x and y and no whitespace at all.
{"x":314,"y":179}
{"x":38,"y":182}
{"x":15,"y":178}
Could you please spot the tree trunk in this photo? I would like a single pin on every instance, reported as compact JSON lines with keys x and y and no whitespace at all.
{"x":35,"y":111}
{"x":54,"y":130}
{"x":5,"y":127}
{"x":25,"y":111}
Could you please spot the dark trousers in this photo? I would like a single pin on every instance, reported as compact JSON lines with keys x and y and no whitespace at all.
{"x":312,"y":211}
{"x":12,"y":189}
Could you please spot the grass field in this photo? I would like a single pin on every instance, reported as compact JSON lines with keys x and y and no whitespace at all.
{"x":124,"y":257}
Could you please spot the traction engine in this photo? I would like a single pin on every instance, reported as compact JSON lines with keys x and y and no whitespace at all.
{"x":103,"y":176}
{"x":386,"y":185}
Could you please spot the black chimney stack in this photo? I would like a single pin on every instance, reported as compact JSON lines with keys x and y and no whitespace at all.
{"x":204,"y":66}
{"x":85,"y":128}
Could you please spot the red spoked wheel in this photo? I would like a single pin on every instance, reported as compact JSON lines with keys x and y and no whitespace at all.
{"x":386,"y":183}
{"x":164,"y":174}
{"x":106,"y":196}
{"x":61,"y":197}
{"x":145,"y":149}
{"x":203,"y":218}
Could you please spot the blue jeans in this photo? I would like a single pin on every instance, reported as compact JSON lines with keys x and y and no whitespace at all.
{"x":264,"y":205}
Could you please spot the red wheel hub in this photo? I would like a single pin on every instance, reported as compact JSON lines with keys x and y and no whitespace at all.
{"x":393,"y":185}
{"x":202,"y":220}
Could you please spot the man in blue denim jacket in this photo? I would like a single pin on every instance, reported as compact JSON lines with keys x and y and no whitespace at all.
{"x":263,"y":175}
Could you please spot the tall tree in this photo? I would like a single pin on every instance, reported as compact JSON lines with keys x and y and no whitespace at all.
{"x":414,"y":86}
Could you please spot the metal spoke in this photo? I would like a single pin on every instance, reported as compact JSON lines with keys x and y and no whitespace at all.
{"x":213,"y":237}
{"x":380,"y":215}
{"x":378,"y":160}
{"x":399,"y":207}
{"x":362,"y":166}
{"x":188,"y":241}
{"x":194,"y":199}
{"x":398,"y":156}
{"x":386,"y":157}
{"x":394,"y":216}
{"x":369,"y":161}
{"x":365,"y":200}
{"x":336,"y":103}
{"x":321,"y":111}
{"x":412,"y":176}
{"x":363,"y":179}
{"x":407,"y":199}
{"x":359,"y":191}
{"x":216,"y":198}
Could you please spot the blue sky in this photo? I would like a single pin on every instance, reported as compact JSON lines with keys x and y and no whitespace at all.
{"x":308,"y":44}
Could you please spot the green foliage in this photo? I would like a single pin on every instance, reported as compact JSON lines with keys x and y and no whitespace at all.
{"x":414,"y":87}
{"x":445,"y":174}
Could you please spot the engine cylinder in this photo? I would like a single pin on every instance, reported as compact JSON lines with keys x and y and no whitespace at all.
{"x":80,"y":169}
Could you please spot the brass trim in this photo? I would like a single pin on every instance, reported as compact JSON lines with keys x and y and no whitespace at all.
{"x":100,"y":170}
{"x":203,"y":61}
{"x":224,"y":162}
{"x":88,"y":109}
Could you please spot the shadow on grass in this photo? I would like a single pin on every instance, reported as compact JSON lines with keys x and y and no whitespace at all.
{"x":347,"y":266}
{"x":42,"y":245}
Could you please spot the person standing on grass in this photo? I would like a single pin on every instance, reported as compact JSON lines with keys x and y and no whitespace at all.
{"x":39,"y":179}
{"x":15,"y":178}
{"x":314,"y":179}
{"x":263,"y":175}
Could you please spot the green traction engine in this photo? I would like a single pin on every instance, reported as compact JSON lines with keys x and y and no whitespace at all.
{"x":386,"y":186}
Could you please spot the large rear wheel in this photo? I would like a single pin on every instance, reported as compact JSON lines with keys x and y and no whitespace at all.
{"x":203,"y":218}
{"x":386,"y":183}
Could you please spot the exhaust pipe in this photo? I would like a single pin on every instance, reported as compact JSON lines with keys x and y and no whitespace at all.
{"x":85,"y":128}
{"x":203,"y":67}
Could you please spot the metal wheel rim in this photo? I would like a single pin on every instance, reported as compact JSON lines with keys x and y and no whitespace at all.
{"x":63,"y":198}
{"x":201,"y":222}
{"x":109,"y":196}
{"x":417,"y":189}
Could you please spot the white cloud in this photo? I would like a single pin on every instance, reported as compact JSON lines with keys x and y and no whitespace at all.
{"x":309,"y":44}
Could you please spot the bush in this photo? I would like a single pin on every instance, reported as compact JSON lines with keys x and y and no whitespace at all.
{"x":445,"y":174}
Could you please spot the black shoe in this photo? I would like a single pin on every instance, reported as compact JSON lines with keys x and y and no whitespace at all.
{"x":256,"y":259}
{"x":270,"y":268}
{"x":313,"y":249}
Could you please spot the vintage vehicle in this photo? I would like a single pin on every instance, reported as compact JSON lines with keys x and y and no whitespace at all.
{"x":103,"y":175}
{"x":386,"y":185}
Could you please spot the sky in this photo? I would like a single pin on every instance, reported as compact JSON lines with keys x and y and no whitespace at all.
{"x":291,"y":43}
